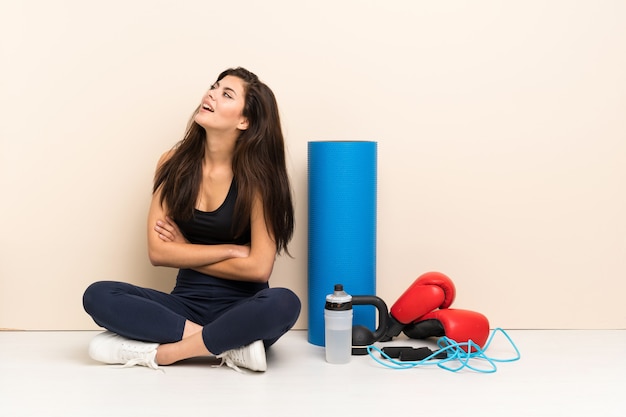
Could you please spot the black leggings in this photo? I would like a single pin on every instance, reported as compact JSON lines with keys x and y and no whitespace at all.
{"x":232,"y":313}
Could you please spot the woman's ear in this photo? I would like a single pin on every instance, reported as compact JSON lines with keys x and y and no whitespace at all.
{"x":243,"y":124}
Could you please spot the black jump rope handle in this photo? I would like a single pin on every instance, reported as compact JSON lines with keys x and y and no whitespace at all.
{"x":362,"y":336}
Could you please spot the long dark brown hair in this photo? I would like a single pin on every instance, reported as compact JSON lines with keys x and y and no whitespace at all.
{"x":258,"y":165}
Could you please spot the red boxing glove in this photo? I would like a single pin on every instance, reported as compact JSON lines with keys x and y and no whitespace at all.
{"x":458,"y":325}
{"x":430,"y":291}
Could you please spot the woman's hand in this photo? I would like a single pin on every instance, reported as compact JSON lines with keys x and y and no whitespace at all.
{"x":168,"y":231}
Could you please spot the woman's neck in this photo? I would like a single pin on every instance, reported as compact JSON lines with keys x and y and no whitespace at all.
{"x":219,"y":151}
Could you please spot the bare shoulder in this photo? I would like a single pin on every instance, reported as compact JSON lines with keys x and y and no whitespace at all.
{"x":165,"y":156}
{"x":163,"y":159}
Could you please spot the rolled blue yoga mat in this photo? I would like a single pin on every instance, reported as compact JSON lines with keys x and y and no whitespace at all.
{"x":342,"y":179}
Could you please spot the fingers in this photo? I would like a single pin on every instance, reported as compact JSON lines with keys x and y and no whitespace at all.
{"x":168,"y":231}
{"x":165,"y":231}
{"x":172,"y":225}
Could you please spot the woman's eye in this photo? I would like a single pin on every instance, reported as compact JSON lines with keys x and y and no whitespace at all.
{"x":227,"y":95}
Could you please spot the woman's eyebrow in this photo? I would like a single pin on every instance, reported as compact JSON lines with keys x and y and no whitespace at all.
{"x":230,"y":89}
{"x":217,"y":84}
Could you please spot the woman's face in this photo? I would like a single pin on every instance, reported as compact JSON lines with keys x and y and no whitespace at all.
{"x":222,"y":106}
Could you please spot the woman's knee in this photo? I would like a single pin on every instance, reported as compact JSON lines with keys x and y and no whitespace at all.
{"x":287,"y":304}
{"x":96,"y":294}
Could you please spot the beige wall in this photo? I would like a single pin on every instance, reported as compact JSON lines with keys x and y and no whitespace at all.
{"x":500,"y":125}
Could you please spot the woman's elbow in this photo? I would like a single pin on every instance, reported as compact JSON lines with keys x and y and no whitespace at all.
{"x":262,"y":274}
{"x":263,"y":278}
{"x":260,"y":265}
{"x":156,"y":257}
{"x":154,"y":260}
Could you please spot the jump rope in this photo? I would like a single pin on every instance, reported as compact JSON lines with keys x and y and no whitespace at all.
{"x":452,"y":356}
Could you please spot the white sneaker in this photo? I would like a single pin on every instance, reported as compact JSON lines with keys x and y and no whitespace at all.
{"x":112,"y":348}
{"x":251,"y":357}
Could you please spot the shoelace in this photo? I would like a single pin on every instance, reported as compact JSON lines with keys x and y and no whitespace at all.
{"x":143,"y":362}
{"x":138,"y":356}
{"x":228,"y":360}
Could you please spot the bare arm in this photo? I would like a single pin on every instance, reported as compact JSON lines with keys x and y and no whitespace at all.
{"x":171,"y":249}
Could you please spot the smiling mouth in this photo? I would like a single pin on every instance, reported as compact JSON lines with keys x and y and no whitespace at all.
{"x":207,"y":107}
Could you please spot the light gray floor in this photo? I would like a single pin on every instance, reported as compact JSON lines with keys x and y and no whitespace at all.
{"x":560,"y":373}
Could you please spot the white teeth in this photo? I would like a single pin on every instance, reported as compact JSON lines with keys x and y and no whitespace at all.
{"x":207,"y":107}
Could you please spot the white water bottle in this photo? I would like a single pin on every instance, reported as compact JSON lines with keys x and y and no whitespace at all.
{"x":338,"y":326}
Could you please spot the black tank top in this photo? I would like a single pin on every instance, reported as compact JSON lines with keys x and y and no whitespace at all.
{"x":215,"y":227}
